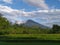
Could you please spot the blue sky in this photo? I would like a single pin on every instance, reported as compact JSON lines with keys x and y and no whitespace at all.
{"x":20,"y":4}
{"x":46,"y":12}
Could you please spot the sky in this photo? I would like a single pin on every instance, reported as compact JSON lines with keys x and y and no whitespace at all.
{"x":46,"y":12}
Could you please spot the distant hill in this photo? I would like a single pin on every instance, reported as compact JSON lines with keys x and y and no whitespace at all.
{"x":31,"y":23}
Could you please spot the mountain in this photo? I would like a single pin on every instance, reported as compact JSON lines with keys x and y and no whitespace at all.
{"x":31,"y":23}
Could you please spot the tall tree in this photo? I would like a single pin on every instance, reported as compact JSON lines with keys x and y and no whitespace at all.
{"x":56,"y":29}
{"x":4,"y":23}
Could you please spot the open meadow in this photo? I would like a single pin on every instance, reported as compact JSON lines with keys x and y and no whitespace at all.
{"x":30,"y":39}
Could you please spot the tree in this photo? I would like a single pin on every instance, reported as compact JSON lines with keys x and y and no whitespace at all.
{"x":4,"y":23}
{"x":55,"y":29}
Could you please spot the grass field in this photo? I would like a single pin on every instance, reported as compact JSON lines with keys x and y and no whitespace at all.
{"x":35,"y":36}
{"x":13,"y":37}
{"x":31,"y":43}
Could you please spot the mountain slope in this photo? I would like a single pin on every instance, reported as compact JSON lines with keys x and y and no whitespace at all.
{"x":31,"y":23}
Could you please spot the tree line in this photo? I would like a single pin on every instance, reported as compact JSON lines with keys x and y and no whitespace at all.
{"x":7,"y":28}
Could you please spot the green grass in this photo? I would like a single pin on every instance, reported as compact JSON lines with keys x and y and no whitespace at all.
{"x":31,"y":43}
{"x":37,"y":36}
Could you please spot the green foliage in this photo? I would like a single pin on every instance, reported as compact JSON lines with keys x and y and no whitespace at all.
{"x":4,"y":23}
{"x":56,"y":29}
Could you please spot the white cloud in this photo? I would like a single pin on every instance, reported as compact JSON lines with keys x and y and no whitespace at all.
{"x":8,"y":1}
{"x":38,"y":3}
{"x":12,"y":14}
{"x":46,"y":17}
{"x":5,"y":8}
